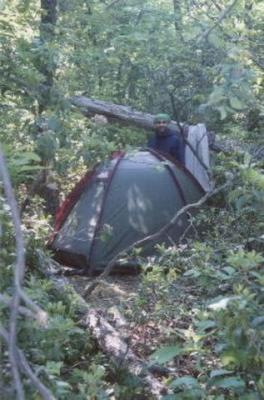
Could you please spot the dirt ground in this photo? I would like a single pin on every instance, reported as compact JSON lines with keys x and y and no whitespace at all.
{"x":115,"y":290}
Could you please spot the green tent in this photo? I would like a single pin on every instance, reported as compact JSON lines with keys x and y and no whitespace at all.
{"x":121,"y":201}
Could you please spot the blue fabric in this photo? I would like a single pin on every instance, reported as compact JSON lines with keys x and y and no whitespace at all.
{"x":168,"y":143}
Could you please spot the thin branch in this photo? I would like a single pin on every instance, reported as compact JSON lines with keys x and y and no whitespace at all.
{"x":44,"y":392}
{"x":256,"y":61}
{"x":112,"y":4}
{"x":190,"y":226}
{"x":216,"y":5}
{"x":7,"y":301}
{"x":18,"y":274}
{"x":90,"y":288}
{"x":40,"y":315}
{"x":221,"y":17}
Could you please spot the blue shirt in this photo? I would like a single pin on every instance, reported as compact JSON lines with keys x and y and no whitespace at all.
{"x":168,"y":143}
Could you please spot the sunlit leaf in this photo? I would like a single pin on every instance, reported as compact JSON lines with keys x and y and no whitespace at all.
{"x":236,"y":103}
{"x":166,"y":354}
{"x":219,"y":372}
{"x":232,"y":383}
{"x":184,"y":381}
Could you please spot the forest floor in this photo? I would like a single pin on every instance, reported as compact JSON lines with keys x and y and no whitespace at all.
{"x":115,"y":290}
{"x":153,"y":317}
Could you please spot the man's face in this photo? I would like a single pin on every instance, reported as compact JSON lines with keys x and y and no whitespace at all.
{"x":160,"y":127}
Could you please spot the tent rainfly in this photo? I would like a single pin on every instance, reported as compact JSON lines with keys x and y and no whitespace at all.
{"x":121,"y":201}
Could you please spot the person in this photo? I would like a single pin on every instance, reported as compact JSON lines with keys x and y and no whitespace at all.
{"x":165,"y":139}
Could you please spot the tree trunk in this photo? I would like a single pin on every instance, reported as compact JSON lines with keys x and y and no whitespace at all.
{"x":117,"y":113}
{"x":178,"y":18}
{"x":114,"y":112}
{"x":47,"y":31}
{"x":47,"y":67}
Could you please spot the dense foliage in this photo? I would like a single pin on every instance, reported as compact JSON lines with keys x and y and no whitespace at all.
{"x":201,"y":61}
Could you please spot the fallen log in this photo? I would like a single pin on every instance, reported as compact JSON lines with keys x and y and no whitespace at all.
{"x":120,"y":353}
{"x":113,"y":112}
{"x":128,"y":116}
{"x":107,"y":336}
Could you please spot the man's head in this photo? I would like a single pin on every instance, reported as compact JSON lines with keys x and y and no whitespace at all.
{"x":161,"y":122}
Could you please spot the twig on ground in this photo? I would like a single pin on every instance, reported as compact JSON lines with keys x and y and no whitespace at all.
{"x":190,"y":226}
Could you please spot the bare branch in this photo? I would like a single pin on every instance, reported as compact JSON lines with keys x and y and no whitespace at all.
{"x":18,"y":275}
{"x":216,"y":5}
{"x":112,"y":4}
{"x":189,"y":227}
{"x":90,"y":288}
{"x":19,"y":272}
{"x":39,"y":315}
{"x":221,"y":17}
{"x":256,"y":61}
{"x":7,"y":301}
{"x":44,"y":392}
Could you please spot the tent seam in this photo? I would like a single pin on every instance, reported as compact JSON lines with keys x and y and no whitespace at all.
{"x":67,"y":205}
{"x":167,"y":157}
{"x":100,"y":214}
{"x":174,"y":178}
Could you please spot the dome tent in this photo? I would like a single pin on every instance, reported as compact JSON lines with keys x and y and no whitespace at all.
{"x":121,"y":201}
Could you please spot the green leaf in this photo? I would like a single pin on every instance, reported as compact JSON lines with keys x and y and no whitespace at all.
{"x":236,"y":103}
{"x":166,"y":354}
{"x":54,"y":368}
{"x":222,"y":303}
{"x":229,"y":270}
{"x":26,"y":168}
{"x":219,"y":372}
{"x":258,"y":322}
{"x":231,"y":383}
{"x":223,"y":112}
{"x":29,"y":156}
{"x":207,"y":324}
{"x":184,"y":381}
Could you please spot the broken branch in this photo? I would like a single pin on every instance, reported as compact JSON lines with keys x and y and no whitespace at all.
{"x":89,"y":289}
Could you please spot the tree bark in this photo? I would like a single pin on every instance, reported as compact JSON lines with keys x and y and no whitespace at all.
{"x":108,"y":338}
{"x":47,"y":31}
{"x":125,"y":115}
{"x":114,"y":112}
{"x":177,"y":18}
{"x":112,"y":344}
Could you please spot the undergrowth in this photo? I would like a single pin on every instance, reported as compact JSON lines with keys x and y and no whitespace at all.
{"x":209,"y":295}
{"x":200,"y":306}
